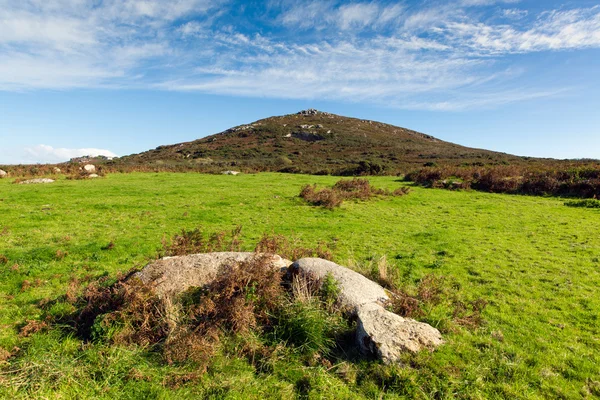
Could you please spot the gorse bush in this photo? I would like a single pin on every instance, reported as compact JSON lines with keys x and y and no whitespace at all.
{"x":346,"y":189}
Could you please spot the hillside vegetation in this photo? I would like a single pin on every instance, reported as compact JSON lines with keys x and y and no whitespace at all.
{"x":532,"y":260}
{"x":318,"y":143}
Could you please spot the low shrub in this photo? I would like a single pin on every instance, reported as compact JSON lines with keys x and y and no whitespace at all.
{"x":196,"y":241}
{"x":291,"y":249}
{"x":587,"y":203}
{"x":327,"y":198}
{"x":345,"y":189}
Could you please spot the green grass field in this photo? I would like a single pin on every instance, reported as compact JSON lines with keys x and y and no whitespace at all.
{"x":534,"y":260}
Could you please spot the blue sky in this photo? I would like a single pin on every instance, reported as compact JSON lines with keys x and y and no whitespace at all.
{"x":119,"y":77}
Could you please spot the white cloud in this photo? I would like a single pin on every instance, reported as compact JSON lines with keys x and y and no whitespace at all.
{"x":486,"y":2}
{"x":48,"y":154}
{"x":367,"y":51}
{"x":357,"y":15}
{"x":514,"y":13}
{"x":556,"y":30}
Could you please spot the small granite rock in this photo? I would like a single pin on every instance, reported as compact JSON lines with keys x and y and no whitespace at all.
{"x":93,"y":176}
{"x":89,"y":168}
{"x":231,"y":172}
{"x":387,"y":335}
{"x":3,"y":174}
{"x":38,"y":180}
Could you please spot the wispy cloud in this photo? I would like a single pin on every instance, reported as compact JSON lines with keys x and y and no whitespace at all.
{"x":47,"y":154}
{"x":365,"y":51}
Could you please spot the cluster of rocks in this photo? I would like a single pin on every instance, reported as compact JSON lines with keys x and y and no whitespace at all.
{"x":307,"y":136}
{"x":243,"y":127}
{"x":89,"y":169}
{"x":379,"y":333}
{"x":312,"y":111}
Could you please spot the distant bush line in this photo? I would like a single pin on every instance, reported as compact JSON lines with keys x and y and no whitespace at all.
{"x":551,"y":180}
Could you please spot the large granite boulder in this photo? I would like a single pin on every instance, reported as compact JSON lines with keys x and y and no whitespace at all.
{"x":355,"y":289}
{"x":89,"y":168}
{"x":3,"y":174}
{"x":171,"y":276}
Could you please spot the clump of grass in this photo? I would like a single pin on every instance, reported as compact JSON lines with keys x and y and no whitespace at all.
{"x":346,"y":189}
{"x":109,"y":246}
{"x":587,"y":203}
{"x":469,"y":314}
{"x":432,"y":292}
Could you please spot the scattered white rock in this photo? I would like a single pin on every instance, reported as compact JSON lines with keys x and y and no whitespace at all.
{"x":3,"y":174}
{"x":355,"y":289}
{"x":231,"y":172}
{"x":289,"y":135}
{"x":89,"y":168}
{"x":56,"y":170}
{"x":93,"y":176}
{"x":387,"y":335}
{"x":35,"y":181}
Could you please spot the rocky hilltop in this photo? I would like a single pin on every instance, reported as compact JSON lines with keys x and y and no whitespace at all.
{"x":313,"y":141}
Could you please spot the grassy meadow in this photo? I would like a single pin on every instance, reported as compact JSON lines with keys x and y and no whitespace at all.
{"x":533,"y":260}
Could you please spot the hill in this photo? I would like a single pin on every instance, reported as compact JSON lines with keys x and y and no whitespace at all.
{"x":318,"y":142}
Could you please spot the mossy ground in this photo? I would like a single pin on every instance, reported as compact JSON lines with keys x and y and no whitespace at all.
{"x":535,"y":261}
